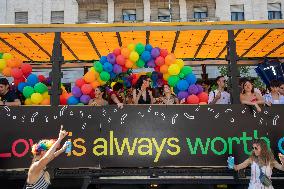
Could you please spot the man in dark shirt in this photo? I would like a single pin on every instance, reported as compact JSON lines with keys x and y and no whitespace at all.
{"x":7,"y":97}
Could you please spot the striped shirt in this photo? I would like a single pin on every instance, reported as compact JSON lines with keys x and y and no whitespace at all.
{"x":40,"y":184}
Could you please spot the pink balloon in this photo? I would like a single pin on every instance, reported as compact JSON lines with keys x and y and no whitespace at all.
{"x":117,"y":51}
{"x":160,"y":61}
{"x":86,"y":89}
{"x":120,"y":60}
{"x":164,"y":52}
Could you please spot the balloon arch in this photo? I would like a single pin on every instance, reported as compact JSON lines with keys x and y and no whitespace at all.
{"x":166,"y":70}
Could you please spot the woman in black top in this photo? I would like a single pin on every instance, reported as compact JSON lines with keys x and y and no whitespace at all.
{"x":142,"y":94}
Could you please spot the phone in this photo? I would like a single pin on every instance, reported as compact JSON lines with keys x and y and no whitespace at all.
{"x":231,"y":162}
{"x":69,"y":147}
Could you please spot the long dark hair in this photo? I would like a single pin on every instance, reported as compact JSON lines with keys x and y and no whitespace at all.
{"x":244,"y":82}
{"x":266,"y":156}
{"x":139,"y":82}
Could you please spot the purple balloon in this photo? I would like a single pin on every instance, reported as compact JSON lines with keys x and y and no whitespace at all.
{"x":155,"y":52}
{"x":192,"y":89}
{"x":151,"y":63}
{"x":200,"y":89}
{"x":76,"y":91}
{"x":182,"y":95}
{"x":85,"y":99}
{"x":111,"y":58}
{"x":117,"y":69}
{"x":160,"y":82}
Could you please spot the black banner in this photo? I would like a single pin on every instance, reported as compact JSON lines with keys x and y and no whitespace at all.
{"x":139,"y":136}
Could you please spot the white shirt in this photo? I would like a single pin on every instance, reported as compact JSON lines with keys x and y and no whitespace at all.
{"x":225,"y":97}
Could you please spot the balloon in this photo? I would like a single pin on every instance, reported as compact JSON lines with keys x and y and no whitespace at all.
{"x":192,"y":99}
{"x":28,"y":91}
{"x":66,"y":95}
{"x":1,"y":55}
{"x":105,"y":75}
{"x":159,"y":61}
{"x":41,"y":78}
{"x":203,"y":97}
{"x":2,"y":64}
{"x":40,"y":88}
{"x":151,"y":63}
{"x":80,"y":82}
{"x":193,"y":89}
{"x":174,"y":69}
{"x":131,"y":47}
{"x":103,"y":59}
{"x":101,"y":81}
{"x":95,"y":84}
{"x":72,"y":100}
{"x":26,"y":69}
{"x":45,"y":101}
{"x":200,"y":89}
{"x":180,"y":63}
{"x":16,"y":73}
{"x":111,"y":58}
{"x":7,"y":56}
{"x":28,"y":101}
{"x":98,"y":66}
{"x":182,"y":95}
{"x":63,"y":100}
{"x":140,"y":63}
{"x":164,"y":69}
{"x":112,"y":75}
{"x":14,"y":62}
{"x":164,"y":52}
{"x":155,"y":52}
{"x":148,"y":47}
{"x":108,"y":66}
{"x":202,"y":103}
{"x":21,"y":86}
{"x":134,"y":56}
{"x":128,"y":64}
{"x":146,"y":56}
{"x":191,"y":79}
{"x":170,"y":59}
{"x":120,"y":60}
{"x":140,"y":48}
{"x":173,"y":80}
{"x":86,"y":89}
{"x":45,"y":95}
{"x":7,"y":72}
{"x":117,"y":69}
{"x":76,"y":91}
{"x":166,"y":76}
{"x":85,"y":99}
{"x":125,"y":52}
{"x":117,"y":51}
{"x":88,"y":78}
{"x":186,"y":70}
{"x":32,"y":80}
{"x":36,"y":98}
{"x":182,"y":85}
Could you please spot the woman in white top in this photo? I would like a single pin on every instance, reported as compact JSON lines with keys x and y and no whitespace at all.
{"x":274,"y":97}
{"x":263,"y":158}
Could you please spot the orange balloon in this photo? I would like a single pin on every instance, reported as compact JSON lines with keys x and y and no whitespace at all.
{"x":125,"y":52}
{"x":89,"y":77}
{"x":66,"y":95}
{"x":95,"y":84}
{"x":128,"y":63}
{"x":7,"y":72}
{"x":170,"y":59}
{"x":45,"y":101}
{"x":17,"y":62}
{"x":164,"y":69}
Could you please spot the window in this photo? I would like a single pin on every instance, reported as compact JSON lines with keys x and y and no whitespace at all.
{"x":93,"y":15}
{"x":164,"y":15}
{"x":274,"y":11}
{"x":237,"y":12}
{"x":129,"y":15}
{"x":21,"y":17}
{"x":57,"y":17}
{"x":200,"y":12}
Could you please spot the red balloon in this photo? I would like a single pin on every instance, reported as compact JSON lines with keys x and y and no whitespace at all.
{"x":203,"y":97}
{"x":160,"y":61}
{"x":26,"y":69}
{"x":63,"y":101}
{"x":80,"y":82}
{"x":164,"y":52}
{"x":120,"y":60}
{"x":124,"y":69}
{"x":16,"y":73}
{"x":17,"y":81}
{"x":86,"y":89}
{"x":92,"y":94}
{"x":192,"y":99}
{"x":157,"y":69}
{"x":41,"y":78}
{"x":117,"y":51}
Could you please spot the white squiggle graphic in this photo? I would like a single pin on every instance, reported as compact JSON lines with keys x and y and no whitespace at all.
{"x":217,"y":115}
{"x":156,"y":113}
{"x":114,"y":110}
{"x":197,"y":109}
{"x":89,"y":116}
{"x":8,"y":110}
{"x":84,"y":125}
{"x":260,"y":121}
{"x":275,"y":119}
{"x":54,"y":117}
{"x":82,"y":114}
{"x":227,"y":110}
{"x":122,"y":119}
{"x":109,"y":120}
{"x":33,"y":117}
{"x":71,"y":113}
{"x":211,"y":110}
{"x":163,"y":115}
{"x":188,"y":116}
{"x":61,"y":113}
{"x":254,"y":113}
{"x":104,"y":112}
{"x":139,"y":113}
{"x":232,"y":120}
{"x":265,"y":112}
{"x":46,"y":119}
{"x":244,"y":111}
{"x":174,"y":119}
{"x":14,"y":117}
{"x":149,"y":109}
{"x":23,"y":119}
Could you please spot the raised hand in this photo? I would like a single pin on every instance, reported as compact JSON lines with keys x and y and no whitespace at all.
{"x":62,"y":133}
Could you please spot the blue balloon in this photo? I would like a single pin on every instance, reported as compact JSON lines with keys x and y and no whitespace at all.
{"x":191,"y":79}
{"x":72,"y":100}
{"x":107,"y":66}
{"x":21,"y":86}
{"x":146,"y":56}
{"x":182,"y":85}
{"x":112,"y":75}
{"x":176,"y":91}
{"x":32,"y":80}
{"x":148,"y":47}
{"x":103,"y":59}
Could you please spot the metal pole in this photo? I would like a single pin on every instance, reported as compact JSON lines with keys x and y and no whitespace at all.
{"x":56,"y":74}
{"x":170,"y":9}
{"x":233,"y":72}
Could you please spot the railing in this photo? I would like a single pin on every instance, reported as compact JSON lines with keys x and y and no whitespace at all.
{"x":209,"y":19}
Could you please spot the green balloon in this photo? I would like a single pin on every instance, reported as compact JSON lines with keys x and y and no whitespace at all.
{"x":181,"y":75}
{"x":149,"y":74}
{"x":28,"y":91}
{"x":80,"y":104}
{"x":140,"y":48}
{"x":40,"y":88}
{"x":186,"y":70}
{"x":98,"y":66}
{"x":1,"y":55}
{"x":173,"y":80}
{"x":104,"y":76}
{"x":140,"y":63}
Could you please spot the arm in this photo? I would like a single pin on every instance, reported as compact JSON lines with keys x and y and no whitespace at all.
{"x":243,"y":165}
{"x":58,"y":152}
{"x":151,"y":97}
{"x":278,"y":165}
{"x":212,"y":99}
{"x":136,"y":98}
{"x":115,"y":99}
{"x":16,"y":102}
{"x":260,"y":99}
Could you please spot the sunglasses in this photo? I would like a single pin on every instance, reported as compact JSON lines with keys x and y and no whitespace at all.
{"x":254,"y":148}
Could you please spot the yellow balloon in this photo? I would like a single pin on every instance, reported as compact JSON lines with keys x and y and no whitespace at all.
{"x":7,"y":56}
{"x":180,"y":63}
{"x":101,"y":81}
{"x":174,"y":69}
{"x":36,"y":98}
{"x":28,"y":101}
{"x":45,"y":95}
{"x":112,"y":84}
{"x":2,"y":64}
{"x":131,"y":47}
{"x":134,"y":56}
{"x":166,"y":76}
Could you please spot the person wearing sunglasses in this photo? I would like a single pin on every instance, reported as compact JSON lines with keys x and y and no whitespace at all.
{"x":261,"y":161}
{"x":142,"y":93}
